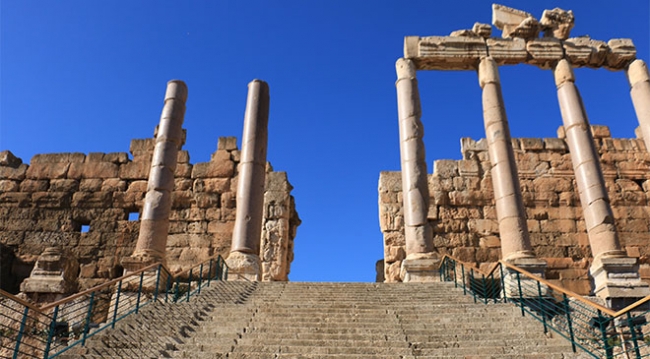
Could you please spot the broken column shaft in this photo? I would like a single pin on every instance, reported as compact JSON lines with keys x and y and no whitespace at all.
{"x":637,"y":74}
{"x":515,"y":241}
{"x":616,"y":276}
{"x":418,"y":233}
{"x":244,"y":257}
{"x":154,"y":223}
{"x":511,"y":214}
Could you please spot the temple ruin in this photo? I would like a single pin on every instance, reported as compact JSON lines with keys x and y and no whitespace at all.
{"x":85,"y":218}
{"x":571,"y":209}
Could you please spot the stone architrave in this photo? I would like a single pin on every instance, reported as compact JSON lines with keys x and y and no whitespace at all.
{"x":616,"y":276}
{"x":154,"y":223}
{"x":511,"y":215}
{"x":637,"y":74}
{"x":244,"y":259}
{"x":54,"y":276}
{"x":421,"y":262}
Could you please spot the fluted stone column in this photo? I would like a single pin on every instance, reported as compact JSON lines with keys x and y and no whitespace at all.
{"x":616,"y":276}
{"x":637,"y":74}
{"x":244,"y":257}
{"x":511,"y":214}
{"x":154,"y":223}
{"x":421,"y":262}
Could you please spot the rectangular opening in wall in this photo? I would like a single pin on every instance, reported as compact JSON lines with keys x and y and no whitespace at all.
{"x":85,"y":228}
{"x":134,"y":216}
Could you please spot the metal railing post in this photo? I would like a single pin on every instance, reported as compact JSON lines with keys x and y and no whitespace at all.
{"x":485,"y":299}
{"x":455,"y":278}
{"x":117,"y":303}
{"x":630,"y":324}
{"x":603,"y":334}
{"x":471,"y":282}
{"x":521,"y":295}
{"x":462,"y":269}
{"x":155,"y":293}
{"x":88,"y":317}
{"x":189,"y":285}
{"x":177,"y":295}
{"x":200,"y":278}
{"x":225,"y":274}
{"x":539,"y":292}
{"x":503,"y":284}
{"x":168,"y":286}
{"x":137,"y":301}
{"x":20,"y":332}
{"x":50,"y":334}
{"x":569,"y":321}
{"x":209,"y":272}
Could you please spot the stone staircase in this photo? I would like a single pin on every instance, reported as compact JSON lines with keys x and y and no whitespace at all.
{"x":327,"y":320}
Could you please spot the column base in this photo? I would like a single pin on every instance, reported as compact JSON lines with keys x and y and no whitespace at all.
{"x":135,"y":263}
{"x":419,"y":268}
{"x":244,"y":266}
{"x":617,"y":281}
{"x":529,"y":289}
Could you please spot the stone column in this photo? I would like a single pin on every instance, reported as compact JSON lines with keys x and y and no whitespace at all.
{"x":637,"y":74}
{"x":616,"y":276}
{"x":154,"y":223}
{"x":511,"y":214}
{"x":244,"y":257}
{"x":421,"y":262}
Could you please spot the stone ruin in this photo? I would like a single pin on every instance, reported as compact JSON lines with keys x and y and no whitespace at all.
{"x":81,"y":217}
{"x":572,"y":209}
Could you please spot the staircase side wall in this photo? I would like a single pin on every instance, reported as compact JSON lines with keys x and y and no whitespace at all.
{"x":463,"y":216}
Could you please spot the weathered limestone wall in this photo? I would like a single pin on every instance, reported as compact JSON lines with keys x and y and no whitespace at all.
{"x":47,"y":202}
{"x":463,"y":215}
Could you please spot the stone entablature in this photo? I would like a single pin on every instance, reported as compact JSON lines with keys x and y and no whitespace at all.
{"x":50,"y":201}
{"x":463,"y":216}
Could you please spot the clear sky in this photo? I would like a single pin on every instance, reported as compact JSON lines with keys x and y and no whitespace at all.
{"x":90,"y":75}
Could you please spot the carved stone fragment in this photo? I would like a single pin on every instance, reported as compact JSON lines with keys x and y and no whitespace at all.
{"x":507,"y":51}
{"x":464,"y":32}
{"x":544,"y":52}
{"x":482,"y":30}
{"x":557,"y":23}
{"x":446,"y":52}
{"x":514,"y":23}
{"x":583,"y":51}
{"x":621,"y":53}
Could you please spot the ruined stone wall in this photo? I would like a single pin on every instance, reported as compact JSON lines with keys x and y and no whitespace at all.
{"x":54,"y":199}
{"x":463,"y":215}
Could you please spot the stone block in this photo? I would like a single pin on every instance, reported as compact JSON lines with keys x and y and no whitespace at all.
{"x":135,"y":170}
{"x":599,"y":131}
{"x":142,"y":145}
{"x":113,"y":185}
{"x":90,"y":185}
{"x":555,"y":144}
{"x":557,"y":23}
{"x":227,"y":143}
{"x":222,"y":169}
{"x":446,"y":52}
{"x":8,"y":159}
{"x":531,"y":144}
{"x":507,"y":51}
{"x":183,"y":156}
{"x":490,"y":242}
{"x":137,"y":186}
{"x":92,"y":199}
{"x":183,"y":170}
{"x":445,"y":168}
{"x":207,"y":199}
{"x":11,"y":173}
{"x":48,"y":170}
{"x":468,"y":168}
{"x":621,"y":53}
{"x":58,"y":158}
{"x":583,"y":51}
{"x":93,"y":170}
{"x":9,"y":186}
{"x":63,"y":185}
{"x":51,"y":199}
{"x":544,"y":52}
{"x":182,"y":199}
{"x":116,"y":157}
{"x":15,"y":199}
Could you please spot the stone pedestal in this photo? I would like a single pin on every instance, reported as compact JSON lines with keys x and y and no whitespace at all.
{"x":420,"y":268}
{"x":53,"y":276}
{"x":617,"y":280}
{"x":244,"y":266}
{"x":528,"y":285}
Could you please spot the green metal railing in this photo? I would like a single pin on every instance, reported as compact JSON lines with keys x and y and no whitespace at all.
{"x":27,"y":331}
{"x":588,"y":326}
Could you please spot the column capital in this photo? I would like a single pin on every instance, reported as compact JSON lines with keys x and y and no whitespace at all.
{"x":637,"y":72}
{"x":405,"y":69}
{"x":488,"y":72}
{"x":176,"y":89}
{"x":563,"y":73}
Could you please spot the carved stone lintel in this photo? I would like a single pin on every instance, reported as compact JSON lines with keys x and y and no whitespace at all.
{"x":445,"y":52}
{"x":621,"y":53}
{"x":544,"y":52}
{"x":557,"y":23}
{"x":507,"y":51}
{"x":583,"y":51}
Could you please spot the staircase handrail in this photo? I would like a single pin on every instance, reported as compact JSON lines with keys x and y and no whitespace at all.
{"x":590,"y":326}
{"x":38,"y":327}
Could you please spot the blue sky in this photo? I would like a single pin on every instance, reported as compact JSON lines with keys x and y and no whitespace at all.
{"x":90,"y":75}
